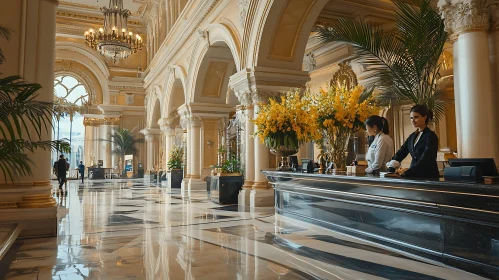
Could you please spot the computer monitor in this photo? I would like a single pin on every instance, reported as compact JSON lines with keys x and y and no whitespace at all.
{"x":487,"y":165}
{"x":293,"y":162}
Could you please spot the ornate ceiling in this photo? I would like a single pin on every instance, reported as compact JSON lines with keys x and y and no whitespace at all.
{"x":74,"y":17}
{"x":137,"y":7}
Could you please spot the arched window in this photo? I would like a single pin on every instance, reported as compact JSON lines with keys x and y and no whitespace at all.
{"x":70,"y":100}
{"x":70,"y":90}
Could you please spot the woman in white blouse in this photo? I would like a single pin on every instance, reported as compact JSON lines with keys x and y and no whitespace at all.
{"x":381,"y":149}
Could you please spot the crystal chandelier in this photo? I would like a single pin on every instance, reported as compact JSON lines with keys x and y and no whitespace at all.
{"x":114,"y":40}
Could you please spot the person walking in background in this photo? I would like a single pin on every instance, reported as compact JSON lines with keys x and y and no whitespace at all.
{"x":61,"y":171}
{"x":67,"y":169}
{"x":81,"y":169}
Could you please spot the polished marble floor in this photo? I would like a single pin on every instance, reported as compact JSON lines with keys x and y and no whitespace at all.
{"x":131,"y":230}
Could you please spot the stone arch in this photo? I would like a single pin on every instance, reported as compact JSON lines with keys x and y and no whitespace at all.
{"x":215,"y":36}
{"x":280,"y":33}
{"x":90,"y":60}
{"x":174,"y":90}
{"x":222,"y":33}
{"x":154,"y":106}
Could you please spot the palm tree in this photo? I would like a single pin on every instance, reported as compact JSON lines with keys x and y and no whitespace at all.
{"x":124,"y":143}
{"x":21,"y":115}
{"x":405,"y":60}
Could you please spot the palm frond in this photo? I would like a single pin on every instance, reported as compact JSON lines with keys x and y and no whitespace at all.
{"x":21,"y":115}
{"x":4,"y":33}
{"x":405,"y":61}
{"x":124,"y":141}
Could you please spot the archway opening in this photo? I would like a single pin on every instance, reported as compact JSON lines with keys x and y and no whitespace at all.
{"x":70,"y":100}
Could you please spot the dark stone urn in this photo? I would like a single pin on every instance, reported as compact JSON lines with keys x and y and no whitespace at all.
{"x":175,"y":177}
{"x":224,"y":189}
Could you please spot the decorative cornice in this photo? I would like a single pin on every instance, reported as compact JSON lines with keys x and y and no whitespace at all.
{"x":461,"y":16}
{"x":167,"y":51}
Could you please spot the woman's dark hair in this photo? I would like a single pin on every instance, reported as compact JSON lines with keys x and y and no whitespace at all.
{"x":379,"y":122}
{"x":423,"y":111}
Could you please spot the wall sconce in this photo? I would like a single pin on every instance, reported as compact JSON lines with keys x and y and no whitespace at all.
{"x":210,"y":144}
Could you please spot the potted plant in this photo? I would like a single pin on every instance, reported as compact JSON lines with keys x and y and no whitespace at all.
{"x":227,"y":183}
{"x":231,"y":167}
{"x":175,"y":172}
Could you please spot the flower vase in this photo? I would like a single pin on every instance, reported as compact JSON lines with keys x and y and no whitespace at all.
{"x":339,"y":149}
{"x":283,"y":146}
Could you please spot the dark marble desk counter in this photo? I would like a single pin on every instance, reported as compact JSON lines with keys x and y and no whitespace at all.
{"x":456,"y":223}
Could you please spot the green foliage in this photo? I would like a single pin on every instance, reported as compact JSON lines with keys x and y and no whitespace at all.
{"x":20,"y":113}
{"x":406,"y":60}
{"x":175,"y":158}
{"x":231,"y":165}
{"x":124,"y":142}
{"x":221,"y":149}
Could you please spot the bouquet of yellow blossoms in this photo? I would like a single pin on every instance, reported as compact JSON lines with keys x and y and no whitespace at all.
{"x":341,"y":112}
{"x":287,"y":122}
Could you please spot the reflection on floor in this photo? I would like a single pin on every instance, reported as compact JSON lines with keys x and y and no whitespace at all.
{"x":128,"y":230}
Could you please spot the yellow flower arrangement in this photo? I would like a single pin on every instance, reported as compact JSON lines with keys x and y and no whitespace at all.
{"x":340,"y":112}
{"x":287,"y":122}
{"x":338,"y":107}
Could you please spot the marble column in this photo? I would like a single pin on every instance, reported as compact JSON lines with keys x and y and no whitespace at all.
{"x":113,"y":159}
{"x":33,"y":31}
{"x":195,"y":182}
{"x":89,"y":136}
{"x":105,"y":145}
{"x":149,"y":147}
{"x":261,"y":194}
{"x":151,"y":136}
{"x":249,"y":152}
{"x":168,"y":130}
{"x":184,"y":122}
{"x":469,"y":22}
{"x":262,"y":83}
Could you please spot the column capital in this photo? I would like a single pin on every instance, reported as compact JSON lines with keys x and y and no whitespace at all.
{"x":245,"y":98}
{"x":92,"y":121}
{"x":461,"y":16}
{"x":150,"y":133}
{"x":196,"y":121}
{"x":166,"y":125}
{"x":112,"y":121}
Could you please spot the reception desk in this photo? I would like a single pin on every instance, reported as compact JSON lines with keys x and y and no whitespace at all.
{"x":454,"y":223}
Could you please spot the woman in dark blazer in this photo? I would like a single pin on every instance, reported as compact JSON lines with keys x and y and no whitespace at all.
{"x":422,"y":145}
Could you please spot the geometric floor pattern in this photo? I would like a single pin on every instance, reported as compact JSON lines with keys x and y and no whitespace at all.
{"x":128,"y":229}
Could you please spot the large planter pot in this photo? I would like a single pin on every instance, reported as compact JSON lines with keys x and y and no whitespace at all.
{"x":283,"y":146}
{"x":225,"y":189}
{"x":175,"y":177}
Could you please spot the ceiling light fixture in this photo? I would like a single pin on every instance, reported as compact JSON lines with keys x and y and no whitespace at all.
{"x":114,"y":40}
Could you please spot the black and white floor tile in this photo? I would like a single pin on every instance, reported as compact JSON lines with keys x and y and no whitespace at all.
{"x":130,"y":230}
